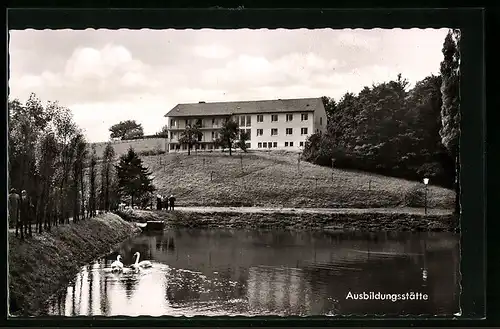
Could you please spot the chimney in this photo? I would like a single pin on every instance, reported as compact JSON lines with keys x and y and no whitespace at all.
{"x":201,"y":102}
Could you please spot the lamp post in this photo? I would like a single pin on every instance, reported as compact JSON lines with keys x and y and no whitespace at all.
{"x":426,"y":182}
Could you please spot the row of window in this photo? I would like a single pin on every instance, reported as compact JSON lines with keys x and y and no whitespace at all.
{"x":260,"y":132}
{"x":176,"y":147}
{"x":288,"y":131}
{"x":245,"y":120}
{"x":289,"y":117}
{"x":275,"y":144}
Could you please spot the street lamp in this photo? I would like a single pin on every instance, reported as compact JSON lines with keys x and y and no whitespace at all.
{"x":426,"y":182}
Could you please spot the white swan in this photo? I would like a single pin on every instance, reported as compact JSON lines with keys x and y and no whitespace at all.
{"x":117,"y":265}
{"x":143,"y":264}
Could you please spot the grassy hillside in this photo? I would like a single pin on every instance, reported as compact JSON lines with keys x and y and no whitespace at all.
{"x":272,"y":179}
{"x":139,"y":145}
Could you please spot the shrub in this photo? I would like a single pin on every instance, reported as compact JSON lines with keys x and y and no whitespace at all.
{"x":414,"y":196}
{"x":151,"y":152}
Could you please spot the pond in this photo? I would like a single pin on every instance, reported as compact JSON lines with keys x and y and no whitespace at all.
{"x":257,"y":272}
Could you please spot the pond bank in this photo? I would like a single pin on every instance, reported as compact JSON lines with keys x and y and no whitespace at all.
{"x":301,"y":220}
{"x":41,"y":265}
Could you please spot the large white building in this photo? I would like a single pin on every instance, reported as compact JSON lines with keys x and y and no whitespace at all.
{"x":273,"y":124}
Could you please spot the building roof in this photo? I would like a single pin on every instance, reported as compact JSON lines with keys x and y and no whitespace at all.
{"x":246,"y":107}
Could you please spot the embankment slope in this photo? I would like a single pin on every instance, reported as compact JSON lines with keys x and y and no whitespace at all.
{"x":43,"y":264}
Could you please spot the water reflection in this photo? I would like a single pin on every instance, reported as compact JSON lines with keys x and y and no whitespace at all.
{"x":215,"y":272}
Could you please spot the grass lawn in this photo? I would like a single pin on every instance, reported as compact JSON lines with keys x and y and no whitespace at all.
{"x":273,"y":179}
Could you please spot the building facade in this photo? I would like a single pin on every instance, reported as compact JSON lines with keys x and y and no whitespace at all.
{"x":272,"y":124}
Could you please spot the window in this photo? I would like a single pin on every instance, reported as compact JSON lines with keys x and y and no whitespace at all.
{"x":184,"y":147}
{"x":274,"y":131}
{"x":210,"y":146}
{"x":289,"y":117}
{"x":289,"y":131}
{"x":269,"y":145}
{"x":247,"y":145}
{"x":274,"y":117}
{"x":249,"y":121}
{"x":213,"y":135}
{"x":215,"y":122}
{"x":304,"y":116}
{"x":264,"y":144}
{"x":249,"y":133}
{"x":303,"y":131}
{"x":260,"y":132}
{"x":291,"y":143}
{"x":242,"y":121}
{"x":259,"y":145}
{"x":171,"y":135}
{"x":275,"y":144}
{"x":286,"y":144}
{"x":172,"y":123}
{"x":200,"y":137}
{"x":260,"y":118}
{"x":320,"y":121}
{"x":301,"y":144}
{"x":188,"y":122}
{"x":172,"y":146}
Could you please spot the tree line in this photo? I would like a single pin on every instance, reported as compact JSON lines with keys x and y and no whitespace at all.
{"x":393,"y":130}
{"x":49,"y":158}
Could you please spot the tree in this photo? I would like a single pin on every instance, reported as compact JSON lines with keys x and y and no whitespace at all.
{"x":330,"y":107}
{"x":190,"y":136}
{"x":450,"y":110}
{"x":244,"y":138}
{"x":134,"y":179}
{"x":92,"y":182}
{"x":228,"y":134}
{"x":108,"y":158}
{"x":386,"y":129}
{"x":128,"y":129}
{"x":66,"y":129}
{"x":47,"y":150}
{"x":79,"y":145}
{"x":163,"y":132}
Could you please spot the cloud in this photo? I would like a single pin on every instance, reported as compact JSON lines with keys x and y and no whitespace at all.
{"x":358,"y":39}
{"x":213,"y":51}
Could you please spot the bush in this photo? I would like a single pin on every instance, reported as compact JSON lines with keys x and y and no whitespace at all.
{"x":414,"y":196}
{"x":151,"y":152}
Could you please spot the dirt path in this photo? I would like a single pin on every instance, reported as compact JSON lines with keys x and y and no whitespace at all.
{"x":400,"y":210}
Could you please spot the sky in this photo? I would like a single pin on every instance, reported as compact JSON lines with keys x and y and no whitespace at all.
{"x":107,"y":76}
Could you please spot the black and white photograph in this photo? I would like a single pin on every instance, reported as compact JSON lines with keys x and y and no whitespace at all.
{"x":234,"y":172}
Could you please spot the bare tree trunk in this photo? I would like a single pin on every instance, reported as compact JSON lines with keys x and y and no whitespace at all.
{"x":82,"y":188}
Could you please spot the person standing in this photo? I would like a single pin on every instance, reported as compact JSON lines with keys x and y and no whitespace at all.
{"x":171,"y":200}
{"x":165,"y":202}
{"x":158,"y":202}
{"x":13,"y":208}
{"x":24,"y":215}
